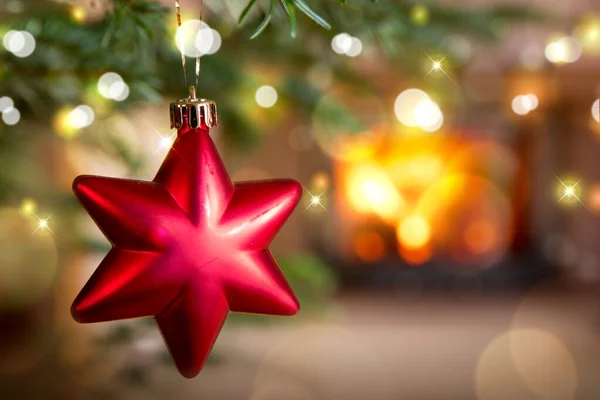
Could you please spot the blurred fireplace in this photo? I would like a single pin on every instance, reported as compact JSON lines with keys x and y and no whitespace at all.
{"x":433,"y":211}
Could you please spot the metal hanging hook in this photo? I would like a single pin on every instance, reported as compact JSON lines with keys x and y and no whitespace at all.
{"x":181,"y":46}
{"x":198,"y":58}
{"x":180,"y":43}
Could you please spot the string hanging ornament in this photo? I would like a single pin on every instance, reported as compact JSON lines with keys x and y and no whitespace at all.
{"x":189,"y":246}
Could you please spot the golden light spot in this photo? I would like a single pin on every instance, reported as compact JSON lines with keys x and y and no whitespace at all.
{"x":63,"y":123}
{"x":319,"y":181}
{"x":27,"y":207}
{"x":588,"y":33}
{"x":414,"y":232}
{"x":78,"y":13}
{"x":568,"y":191}
{"x":370,"y":190}
{"x":419,"y":14}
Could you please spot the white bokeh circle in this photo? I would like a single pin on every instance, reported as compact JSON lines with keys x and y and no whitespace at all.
{"x":6,"y":103}
{"x":11,"y":116}
{"x":266,"y":96}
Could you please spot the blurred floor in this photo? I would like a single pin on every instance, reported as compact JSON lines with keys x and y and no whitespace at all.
{"x":540,"y":345}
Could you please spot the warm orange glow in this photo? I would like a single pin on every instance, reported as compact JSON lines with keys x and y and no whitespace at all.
{"x":480,"y":237}
{"x":371,"y":190}
{"x":368,"y":246}
{"x":443,"y":195}
{"x":319,"y":181}
{"x":593,"y":198}
{"x":418,"y":171}
{"x":415,"y":256}
{"x":414,"y":232}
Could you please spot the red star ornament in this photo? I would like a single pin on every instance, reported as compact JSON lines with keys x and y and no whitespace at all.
{"x":188,"y":248}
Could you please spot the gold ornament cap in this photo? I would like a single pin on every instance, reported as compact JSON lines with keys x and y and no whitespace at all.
{"x":193,"y":111}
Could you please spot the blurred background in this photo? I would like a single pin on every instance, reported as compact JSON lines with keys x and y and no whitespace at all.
{"x":445,"y":247}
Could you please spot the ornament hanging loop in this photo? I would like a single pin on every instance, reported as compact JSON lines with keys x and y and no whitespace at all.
{"x":192,"y":112}
{"x":192,"y":91}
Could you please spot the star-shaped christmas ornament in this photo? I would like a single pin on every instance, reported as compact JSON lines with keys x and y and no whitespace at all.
{"x":188,"y":247}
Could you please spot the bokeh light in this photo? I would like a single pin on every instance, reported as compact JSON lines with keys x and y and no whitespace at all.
{"x":524,"y":360}
{"x":428,"y":115}
{"x":20,"y":43}
{"x":405,"y":104}
{"x":370,"y":190}
{"x":368,"y":246}
{"x":66,"y":123}
{"x":596,"y":110}
{"x":11,"y":116}
{"x":28,"y":207}
{"x":80,"y":117}
{"x":319,"y":181}
{"x":414,"y":232}
{"x":544,"y":363}
{"x":419,"y":14}
{"x":463,"y":206}
{"x":266,"y":96}
{"x":563,"y":50}
{"x":524,"y":103}
{"x":119,"y":91}
{"x":356,"y":47}
{"x":216,"y":42}
{"x":587,"y":32}
{"x":204,"y":40}
{"x":6,"y":103}
{"x":112,"y":86}
{"x":415,"y":255}
{"x":194,"y":38}
{"x":341,"y":43}
{"x":593,"y":198}
{"x":413,"y":107}
{"x":480,"y":237}
{"x":78,"y":13}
